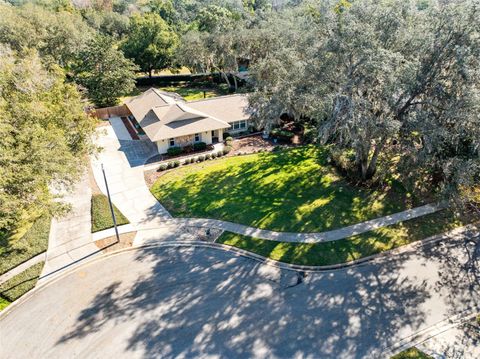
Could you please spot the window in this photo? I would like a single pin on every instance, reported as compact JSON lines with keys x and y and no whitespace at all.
{"x":197,"y":137}
{"x":171,"y":142}
{"x":239,"y":125}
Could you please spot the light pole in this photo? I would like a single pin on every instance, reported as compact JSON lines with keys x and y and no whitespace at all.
{"x":111,"y":205}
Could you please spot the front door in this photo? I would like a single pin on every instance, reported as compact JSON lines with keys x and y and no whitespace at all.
{"x":215,"y":136}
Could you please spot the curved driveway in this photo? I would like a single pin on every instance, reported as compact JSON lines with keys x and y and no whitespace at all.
{"x":202,"y":302}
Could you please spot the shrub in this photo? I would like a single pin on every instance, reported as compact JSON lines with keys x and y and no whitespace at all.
{"x":171,"y":164}
{"x":226,"y":135}
{"x":162,"y":167}
{"x":199,"y":146}
{"x":281,"y":134}
{"x":310,"y":135}
{"x":201,"y":158}
{"x":208,"y":156}
{"x":174,"y":151}
{"x":227,"y":149}
{"x":176,"y":163}
{"x":214,"y":155}
{"x":229,"y":139}
{"x":219,"y":153}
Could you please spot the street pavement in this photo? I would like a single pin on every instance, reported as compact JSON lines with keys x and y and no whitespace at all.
{"x":203,"y":302}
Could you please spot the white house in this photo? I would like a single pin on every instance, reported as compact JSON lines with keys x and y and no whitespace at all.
{"x":168,"y":120}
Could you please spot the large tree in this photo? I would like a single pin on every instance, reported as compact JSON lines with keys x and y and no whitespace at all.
{"x":45,"y":136}
{"x":384,"y":79}
{"x":105,"y":72}
{"x":150,"y":42}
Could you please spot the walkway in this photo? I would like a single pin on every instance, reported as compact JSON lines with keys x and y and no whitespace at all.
{"x":202,"y":302}
{"x":311,"y":237}
{"x":70,"y":237}
{"x":20,"y":268}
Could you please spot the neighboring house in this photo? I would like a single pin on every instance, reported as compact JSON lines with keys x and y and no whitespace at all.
{"x":168,"y":120}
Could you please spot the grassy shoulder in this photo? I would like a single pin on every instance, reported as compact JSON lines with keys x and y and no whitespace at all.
{"x":293,"y":190}
{"x":17,"y":286}
{"x":101,"y":217}
{"x":348,"y":249}
{"x":412,"y":353}
{"x":16,"y":251}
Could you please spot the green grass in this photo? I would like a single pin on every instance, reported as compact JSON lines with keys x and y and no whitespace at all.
{"x":190,"y":93}
{"x":3,"y":303}
{"x":291,"y":190}
{"x":101,"y":217}
{"x":16,"y":251}
{"x":412,"y":353}
{"x":17,"y":286}
{"x":348,"y":249}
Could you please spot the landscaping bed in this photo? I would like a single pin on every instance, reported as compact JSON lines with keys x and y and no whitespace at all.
{"x":20,"y":284}
{"x":351,"y":248}
{"x":101,"y":216}
{"x":412,"y":353}
{"x":16,"y":251}
{"x":292,"y":190}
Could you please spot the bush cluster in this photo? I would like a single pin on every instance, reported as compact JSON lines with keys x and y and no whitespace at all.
{"x":199,"y":146}
{"x":227,"y":149}
{"x":281,"y":134}
{"x":174,"y":151}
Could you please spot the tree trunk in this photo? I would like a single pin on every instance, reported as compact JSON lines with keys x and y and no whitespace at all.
{"x":225,"y":77}
{"x":235,"y":82}
{"x":150,"y":73}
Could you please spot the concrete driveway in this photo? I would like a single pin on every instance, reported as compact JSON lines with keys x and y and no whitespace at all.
{"x":123,"y":161}
{"x":197,"y":302}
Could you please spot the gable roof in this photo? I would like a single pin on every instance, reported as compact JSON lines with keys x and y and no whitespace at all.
{"x":164,"y":115}
{"x":140,"y":105}
{"x":177,"y":120}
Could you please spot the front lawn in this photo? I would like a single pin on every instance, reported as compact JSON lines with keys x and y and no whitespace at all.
{"x":291,"y":190}
{"x":101,"y":216}
{"x":348,"y":249}
{"x":16,"y":251}
{"x":17,"y":286}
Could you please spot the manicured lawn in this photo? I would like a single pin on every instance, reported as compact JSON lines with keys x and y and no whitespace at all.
{"x":291,"y":190}
{"x":348,"y":249}
{"x":17,"y":286}
{"x":101,"y":217}
{"x":412,"y":353}
{"x":16,"y":251}
{"x":191,"y":93}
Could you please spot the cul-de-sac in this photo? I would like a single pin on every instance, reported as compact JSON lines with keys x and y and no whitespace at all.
{"x":240,"y":179}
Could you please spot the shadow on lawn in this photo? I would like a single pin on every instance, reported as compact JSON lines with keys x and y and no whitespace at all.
{"x":202,"y":302}
{"x":292,"y":190}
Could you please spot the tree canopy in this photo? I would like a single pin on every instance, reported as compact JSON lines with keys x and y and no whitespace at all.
{"x":384,"y":80}
{"x":150,"y":43}
{"x":44,"y":133}
{"x":105,"y":72}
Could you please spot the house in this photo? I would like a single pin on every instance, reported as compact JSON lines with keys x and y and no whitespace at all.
{"x":169,"y":121}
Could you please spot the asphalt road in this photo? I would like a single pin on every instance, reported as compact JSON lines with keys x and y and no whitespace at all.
{"x":199,"y":302}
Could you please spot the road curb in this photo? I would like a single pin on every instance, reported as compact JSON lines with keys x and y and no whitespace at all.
{"x":387,"y":255}
{"x":430,"y":332}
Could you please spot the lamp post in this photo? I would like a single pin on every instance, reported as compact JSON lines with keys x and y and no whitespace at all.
{"x":111,"y":205}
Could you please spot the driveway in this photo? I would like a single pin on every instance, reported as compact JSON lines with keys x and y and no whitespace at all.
{"x":123,"y":162}
{"x":202,"y":302}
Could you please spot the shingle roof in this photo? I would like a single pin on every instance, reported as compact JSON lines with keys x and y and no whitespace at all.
{"x":165,"y":115}
{"x":177,"y":120}
{"x":226,"y":108}
{"x":140,"y":105}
